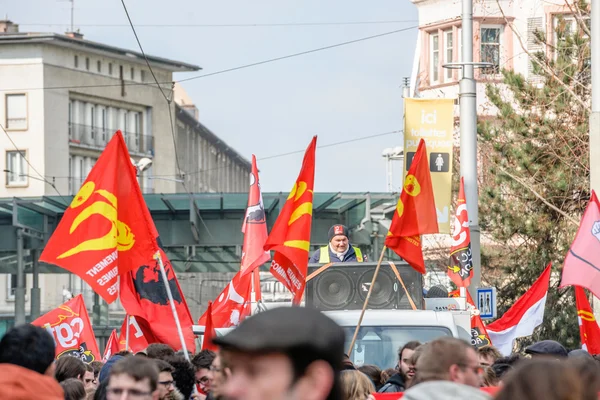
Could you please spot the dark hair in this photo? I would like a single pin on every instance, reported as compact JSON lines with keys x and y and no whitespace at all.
{"x":541,"y":378}
{"x":159,"y":350}
{"x":73,"y":388}
{"x":412,"y":345}
{"x":184,"y":374}
{"x":97,"y":365}
{"x":163,"y":366}
{"x":29,"y":347}
{"x":138,"y":368}
{"x":100,"y":393}
{"x":373,"y":372}
{"x":387,"y":374}
{"x":88,"y":368}
{"x":69,"y":367}
{"x":502,"y":365}
{"x":203,"y":359}
{"x":123,"y":353}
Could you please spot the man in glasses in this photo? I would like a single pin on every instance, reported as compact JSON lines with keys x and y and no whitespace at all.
{"x":166,"y":384}
{"x":447,"y":368}
{"x":133,"y":378}
{"x":89,"y":380}
{"x":202,"y":362}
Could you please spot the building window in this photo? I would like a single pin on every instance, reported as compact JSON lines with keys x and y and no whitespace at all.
{"x":435,"y":58}
{"x":16,"y":168}
{"x":143,"y":75}
{"x":87,"y":63}
{"x":99,"y":66}
{"x":16,"y":111}
{"x":104,"y":123}
{"x":490,"y":48}
{"x":110,"y":69}
{"x":132,"y":74}
{"x":449,"y":53}
{"x":76,"y":62}
{"x":136,"y":129}
{"x":565,"y":27}
{"x":93,"y":121}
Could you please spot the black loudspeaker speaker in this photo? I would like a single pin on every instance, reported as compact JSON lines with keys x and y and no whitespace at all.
{"x":344,"y":286}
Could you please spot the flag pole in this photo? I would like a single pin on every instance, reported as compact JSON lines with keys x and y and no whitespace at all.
{"x":171,"y":301}
{"x":127,"y":332}
{"x":366,"y":301}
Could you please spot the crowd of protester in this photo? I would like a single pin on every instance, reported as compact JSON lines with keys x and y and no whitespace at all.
{"x":295,"y":353}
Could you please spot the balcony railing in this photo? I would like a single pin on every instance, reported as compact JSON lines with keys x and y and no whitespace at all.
{"x":96,"y":137}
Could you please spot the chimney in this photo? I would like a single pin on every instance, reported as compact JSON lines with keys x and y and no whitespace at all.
{"x":7,"y":26}
{"x":75,"y":35}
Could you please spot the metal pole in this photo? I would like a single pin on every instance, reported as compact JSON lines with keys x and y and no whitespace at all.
{"x":20,"y":290}
{"x":595,"y":114}
{"x":35,"y":290}
{"x":127,"y":332}
{"x":172,"y":303}
{"x":468,"y":139}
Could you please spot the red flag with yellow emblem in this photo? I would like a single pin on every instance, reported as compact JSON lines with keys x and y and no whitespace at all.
{"x":107,"y":230}
{"x":588,"y":327}
{"x":415,"y":213}
{"x":290,"y":236}
{"x":460,"y":269}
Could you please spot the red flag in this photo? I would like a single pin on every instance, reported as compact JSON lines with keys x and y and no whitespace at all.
{"x":582,"y":263}
{"x":255,"y":226}
{"x":415,"y":213}
{"x":137,"y":341}
{"x":479,"y":335}
{"x":588,"y":327}
{"x":460,"y":269}
{"x":209,"y":331}
{"x":70,"y":326}
{"x":143,"y":295}
{"x":233,"y":304}
{"x":107,"y":230}
{"x":290,"y":236}
{"x":112,"y":346}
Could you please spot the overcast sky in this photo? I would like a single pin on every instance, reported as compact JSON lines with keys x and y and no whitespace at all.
{"x":338,"y":94}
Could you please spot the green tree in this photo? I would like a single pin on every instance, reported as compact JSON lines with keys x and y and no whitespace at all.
{"x":535,"y":164}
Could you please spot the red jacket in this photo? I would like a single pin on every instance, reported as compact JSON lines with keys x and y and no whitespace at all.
{"x":18,"y":383}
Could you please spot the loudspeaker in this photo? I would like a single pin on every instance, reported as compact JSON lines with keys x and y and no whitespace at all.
{"x":344,"y":286}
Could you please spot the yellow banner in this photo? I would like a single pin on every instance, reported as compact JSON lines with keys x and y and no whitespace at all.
{"x":432,"y":120}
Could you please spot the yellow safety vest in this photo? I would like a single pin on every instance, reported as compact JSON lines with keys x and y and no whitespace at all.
{"x":324,"y":256}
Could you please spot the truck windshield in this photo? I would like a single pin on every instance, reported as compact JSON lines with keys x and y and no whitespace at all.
{"x":379,"y":345}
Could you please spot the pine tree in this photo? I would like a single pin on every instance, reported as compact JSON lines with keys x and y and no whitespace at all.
{"x":535,"y":158}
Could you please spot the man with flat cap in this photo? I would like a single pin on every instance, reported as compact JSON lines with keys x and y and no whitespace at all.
{"x":283,"y":353}
{"x":339,"y":249}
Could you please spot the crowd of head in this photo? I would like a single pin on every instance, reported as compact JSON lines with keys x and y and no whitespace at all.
{"x":294,"y":353}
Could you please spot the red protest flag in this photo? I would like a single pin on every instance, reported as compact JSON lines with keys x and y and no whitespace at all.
{"x":112,"y":346}
{"x":588,"y":327}
{"x":582,"y":263}
{"x":143,"y":295}
{"x":233,"y":304}
{"x":70,"y":326}
{"x":209,"y":331}
{"x":137,"y":341}
{"x":460,"y":269}
{"x":415,"y":213}
{"x":479,"y":335}
{"x":290,"y":236}
{"x":107,"y":230}
{"x":254,"y":227}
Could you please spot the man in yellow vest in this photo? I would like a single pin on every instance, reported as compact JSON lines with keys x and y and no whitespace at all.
{"x":339,"y":249}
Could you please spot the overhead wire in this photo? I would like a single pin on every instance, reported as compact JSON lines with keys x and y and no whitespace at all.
{"x":247,"y":25}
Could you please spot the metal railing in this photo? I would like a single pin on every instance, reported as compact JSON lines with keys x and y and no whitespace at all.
{"x":96,"y":137}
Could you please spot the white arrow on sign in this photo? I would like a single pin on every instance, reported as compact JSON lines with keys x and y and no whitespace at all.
{"x":442,"y":217}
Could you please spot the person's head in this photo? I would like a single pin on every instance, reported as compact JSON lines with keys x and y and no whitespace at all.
{"x":29,"y":347}
{"x":283,"y":352}
{"x":449,"y":359}
{"x":89,"y":380}
{"x":355,"y":385}
{"x":159,"y":350}
{"x":547,"y":348}
{"x":488,"y":355}
{"x":588,"y":371}
{"x":69,"y":367}
{"x":218,"y":373}
{"x":489,"y":377}
{"x":183,"y":374}
{"x":202,"y":362}
{"x":504,"y":365}
{"x":123,"y":353}
{"x":166,"y":384}
{"x":405,"y":366}
{"x":541,"y":378}
{"x":133,"y":376}
{"x":338,"y":238}
{"x":387,"y":374}
{"x":373,"y":372}
{"x":97,"y":365}
{"x":73,"y":389}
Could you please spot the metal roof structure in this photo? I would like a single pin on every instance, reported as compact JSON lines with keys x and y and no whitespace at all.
{"x":200,"y":232}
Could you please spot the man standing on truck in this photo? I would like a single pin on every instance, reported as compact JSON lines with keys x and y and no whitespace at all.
{"x":339,"y":249}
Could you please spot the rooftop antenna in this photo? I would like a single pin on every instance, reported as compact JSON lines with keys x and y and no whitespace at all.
{"x":72,"y":13}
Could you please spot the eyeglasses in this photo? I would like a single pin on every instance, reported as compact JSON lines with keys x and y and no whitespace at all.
{"x":167,"y":383}
{"x":117,"y":393}
{"x":204,"y":380}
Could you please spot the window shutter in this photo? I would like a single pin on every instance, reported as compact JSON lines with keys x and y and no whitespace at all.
{"x":533,"y":46}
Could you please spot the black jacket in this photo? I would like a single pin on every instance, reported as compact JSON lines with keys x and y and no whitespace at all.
{"x":394,"y":384}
